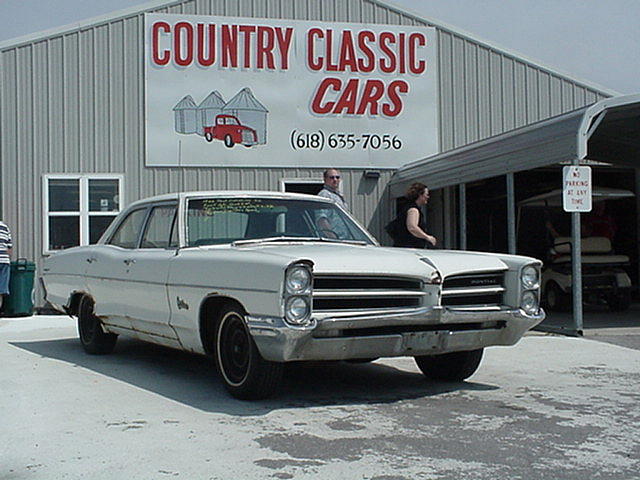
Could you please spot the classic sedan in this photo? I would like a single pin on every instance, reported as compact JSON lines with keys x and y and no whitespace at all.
{"x":251,"y":279}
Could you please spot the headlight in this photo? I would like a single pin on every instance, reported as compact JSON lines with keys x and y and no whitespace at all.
{"x":529,"y":302}
{"x":297,"y":310}
{"x":530,"y":277}
{"x":298,"y":279}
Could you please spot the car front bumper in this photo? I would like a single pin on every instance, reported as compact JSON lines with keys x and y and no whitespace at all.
{"x":426,"y":331}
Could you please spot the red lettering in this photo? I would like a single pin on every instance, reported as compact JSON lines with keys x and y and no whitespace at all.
{"x":416,"y":40}
{"x":364,"y":37}
{"x":313,"y":64}
{"x":266,"y":42}
{"x":206,"y":60}
{"x":229,"y":46}
{"x":183,"y":58}
{"x":284,"y":44}
{"x":390,"y":65}
{"x":395,"y":88}
{"x":372,"y":93}
{"x":328,"y":50}
{"x":246,"y":31}
{"x":347,"y":53}
{"x":401,"y":54}
{"x":159,"y":59}
{"x":348,"y":98}
{"x":335,"y":84}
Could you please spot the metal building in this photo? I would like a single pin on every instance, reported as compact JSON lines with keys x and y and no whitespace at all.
{"x":72,"y":127}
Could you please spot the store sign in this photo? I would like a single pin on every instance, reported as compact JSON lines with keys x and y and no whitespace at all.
{"x":223,"y":91}
{"x":576,"y":189}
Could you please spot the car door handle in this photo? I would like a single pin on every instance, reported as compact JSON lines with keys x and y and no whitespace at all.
{"x":91,"y":259}
{"x":129,"y":261}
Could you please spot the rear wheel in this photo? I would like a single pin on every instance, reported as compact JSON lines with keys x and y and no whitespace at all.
{"x":454,"y":366}
{"x":228,"y":141}
{"x":245,"y":373}
{"x":93,"y":339}
{"x":619,"y":302}
{"x":208,"y":136}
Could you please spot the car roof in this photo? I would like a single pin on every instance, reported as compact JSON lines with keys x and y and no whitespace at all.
{"x":232,"y":194}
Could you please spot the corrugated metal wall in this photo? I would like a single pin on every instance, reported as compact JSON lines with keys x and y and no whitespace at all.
{"x":74,"y":103}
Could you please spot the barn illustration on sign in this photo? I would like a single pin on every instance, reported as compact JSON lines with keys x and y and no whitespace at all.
{"x":242,"y":120}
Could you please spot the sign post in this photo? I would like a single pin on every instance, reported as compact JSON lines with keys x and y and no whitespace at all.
{"x":576,"y":198}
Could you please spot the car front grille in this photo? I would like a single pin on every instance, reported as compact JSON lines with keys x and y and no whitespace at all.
{"x":351,"y":292}
{"x":474,"y":291}
{"x":247,"y":137}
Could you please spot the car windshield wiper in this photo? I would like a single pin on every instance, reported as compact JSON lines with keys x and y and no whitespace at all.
{"x":283,"y":238}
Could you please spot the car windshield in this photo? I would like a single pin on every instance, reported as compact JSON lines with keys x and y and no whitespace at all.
{"x":214,"y":221}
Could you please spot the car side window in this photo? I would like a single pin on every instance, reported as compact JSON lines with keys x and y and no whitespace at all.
{"x":128,"y":232}
{"x":157,"y":233}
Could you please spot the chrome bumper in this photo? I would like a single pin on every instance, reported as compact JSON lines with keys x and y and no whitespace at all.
{"x":280,"y":342}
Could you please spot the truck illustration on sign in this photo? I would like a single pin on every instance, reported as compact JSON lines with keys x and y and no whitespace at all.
{"x":229,"y":129}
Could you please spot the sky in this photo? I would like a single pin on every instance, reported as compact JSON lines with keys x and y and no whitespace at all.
{"x":595,"y":41}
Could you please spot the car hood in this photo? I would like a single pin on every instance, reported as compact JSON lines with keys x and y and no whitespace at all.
{"x":366,"y":259}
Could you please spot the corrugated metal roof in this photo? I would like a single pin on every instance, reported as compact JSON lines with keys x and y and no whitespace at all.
{"x":607,"y":131}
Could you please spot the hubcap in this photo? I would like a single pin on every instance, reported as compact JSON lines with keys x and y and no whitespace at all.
{"x":87,"y":323}
{"x":234,"y":349}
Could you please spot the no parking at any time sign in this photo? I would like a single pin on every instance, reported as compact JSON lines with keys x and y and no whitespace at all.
{"x":576,"y":189}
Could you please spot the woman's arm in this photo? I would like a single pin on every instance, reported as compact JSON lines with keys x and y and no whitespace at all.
{"x":413,"y":216}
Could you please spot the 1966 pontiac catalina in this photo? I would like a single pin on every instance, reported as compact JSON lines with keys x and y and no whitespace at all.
{"x":252,"y":280}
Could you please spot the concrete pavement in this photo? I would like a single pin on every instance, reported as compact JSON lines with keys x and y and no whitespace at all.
{"x":549,"y":408}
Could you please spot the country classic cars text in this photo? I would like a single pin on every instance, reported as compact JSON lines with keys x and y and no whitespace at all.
{"x":389,"y":55}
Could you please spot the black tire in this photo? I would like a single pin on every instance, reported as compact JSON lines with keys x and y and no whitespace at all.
{"x":453,"y":367}
{"x":619,"y":302}
{"x":246,"y":375}
{"x":93,"y":339}
{"x":228,"y":141}
{"x":555,"y":299}
{"x":208,"y":137}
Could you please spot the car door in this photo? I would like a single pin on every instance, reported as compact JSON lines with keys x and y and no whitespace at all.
{"x":107,"y":269}
{"x":146,"y":270}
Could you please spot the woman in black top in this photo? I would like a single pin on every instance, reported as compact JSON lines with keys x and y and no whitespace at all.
{"x":413,"y":227}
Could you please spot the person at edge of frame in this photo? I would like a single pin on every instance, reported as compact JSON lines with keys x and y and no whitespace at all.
{"x":412,"y":232}
{"x":6,"y":245}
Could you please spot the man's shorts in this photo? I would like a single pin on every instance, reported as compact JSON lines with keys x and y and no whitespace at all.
{"x":4,"y":278}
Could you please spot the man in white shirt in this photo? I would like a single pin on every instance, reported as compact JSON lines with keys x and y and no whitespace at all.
{"x":328,"y":224}
{"x":331,"y":187}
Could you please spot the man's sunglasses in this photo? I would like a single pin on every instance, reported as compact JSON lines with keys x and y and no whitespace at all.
{"x":334,"y":177}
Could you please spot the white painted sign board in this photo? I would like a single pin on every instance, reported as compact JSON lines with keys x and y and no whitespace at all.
{"x":256,"y":92}
{"x":576,"y":189}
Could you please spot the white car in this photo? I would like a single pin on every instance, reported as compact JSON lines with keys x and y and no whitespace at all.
{"x":250,"y":279}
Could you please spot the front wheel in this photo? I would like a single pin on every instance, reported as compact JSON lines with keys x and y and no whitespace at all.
{"x":245,"y":373}
{"x":228,"y":141}
{"x":93,"y":339}
{"x":453,"y":367}
{"x":556,"y":299}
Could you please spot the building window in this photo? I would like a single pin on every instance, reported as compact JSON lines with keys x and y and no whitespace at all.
{"x":78,"y":208}
{"x":310,"y":186}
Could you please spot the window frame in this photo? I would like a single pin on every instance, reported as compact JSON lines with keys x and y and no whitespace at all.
{"x":174,"y":225}
{"x":83,"y":213}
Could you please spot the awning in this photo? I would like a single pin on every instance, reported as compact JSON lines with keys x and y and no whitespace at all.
{"x":606,"y":131}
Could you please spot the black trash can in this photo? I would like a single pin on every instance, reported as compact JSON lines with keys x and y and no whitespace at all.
{"x":19,"y":302}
